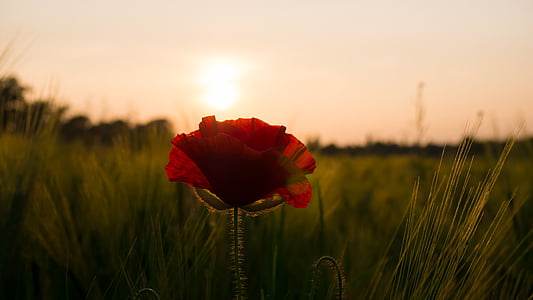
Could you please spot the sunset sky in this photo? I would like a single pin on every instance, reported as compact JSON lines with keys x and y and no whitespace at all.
{"x":344,"y":71}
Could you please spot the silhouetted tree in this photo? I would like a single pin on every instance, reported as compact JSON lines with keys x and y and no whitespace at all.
{"x":331,"y":149}
{"x":106,"y":133}
{"x":76,"y":127}
{"x":42,"y":114}
{"x":159,"y":127}
{"x":19,"y":115}
{"x":313,"y":144}
{"x":12,"y":104}
{"x":144,"y":134}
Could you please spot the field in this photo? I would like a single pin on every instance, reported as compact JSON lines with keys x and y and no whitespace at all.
{"x":103,"y":222}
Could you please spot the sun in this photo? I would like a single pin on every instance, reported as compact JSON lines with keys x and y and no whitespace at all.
{"x":220,"y":83}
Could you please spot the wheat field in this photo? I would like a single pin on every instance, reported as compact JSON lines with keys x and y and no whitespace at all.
{"x":103,"y":222}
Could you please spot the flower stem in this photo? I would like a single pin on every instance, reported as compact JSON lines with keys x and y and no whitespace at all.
{"x":236,"y":253}
{"x":148,"y":291}
{"x":335,"y":266}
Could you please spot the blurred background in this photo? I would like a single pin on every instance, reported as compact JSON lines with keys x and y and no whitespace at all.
{"x":348,"y":72}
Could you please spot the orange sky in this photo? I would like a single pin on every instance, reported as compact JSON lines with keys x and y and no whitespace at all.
{"x":346,"y":71}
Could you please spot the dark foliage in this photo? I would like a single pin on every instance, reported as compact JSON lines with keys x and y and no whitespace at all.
{"x":523,"y":146}
{"x":19,"y":115}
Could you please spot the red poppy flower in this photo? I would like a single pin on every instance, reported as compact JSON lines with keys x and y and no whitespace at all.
{"x":244,"y":163}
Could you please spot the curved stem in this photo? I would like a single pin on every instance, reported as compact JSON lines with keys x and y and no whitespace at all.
{"x":147,"y":290}
{"x":335,"y":265}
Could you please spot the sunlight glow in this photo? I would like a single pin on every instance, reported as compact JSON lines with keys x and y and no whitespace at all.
{"x":220,"y":82}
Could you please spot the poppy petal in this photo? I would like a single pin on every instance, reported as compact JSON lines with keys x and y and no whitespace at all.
{"x":297,"y":194}
{"x":210,"y":127}
{"x":199,"y":148}
{"x":271,"y":137}
{"x":181,"y":168}
{"x":297,"y":152}
{"x":247,"y":125}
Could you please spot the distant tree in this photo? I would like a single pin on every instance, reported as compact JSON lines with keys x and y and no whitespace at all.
{"x":160,"y":127}
{"x":76,"y":127}
{"x":144,"y":134}
{"x":13,"y":104}
{"x":313,"y":144}
{"x":42,"y":114}
{"x":11,"y":91}
{"x":107,"y":133}
{"x":19,"y":115}
{"x":331,"y":149}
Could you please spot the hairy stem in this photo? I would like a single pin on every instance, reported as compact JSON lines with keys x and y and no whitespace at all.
{"x":333,"y":263}
{"x":236,"y":253}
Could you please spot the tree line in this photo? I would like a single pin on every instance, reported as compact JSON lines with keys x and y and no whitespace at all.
{"x":19,"y":115}
{"x":523,"y":147}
